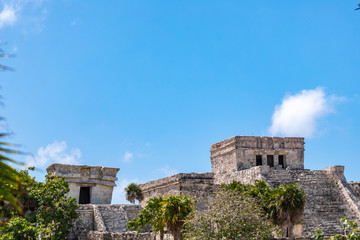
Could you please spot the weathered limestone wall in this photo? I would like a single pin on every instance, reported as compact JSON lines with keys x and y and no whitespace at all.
{"x":239,"y":152}
{"x":85,"y":221}
{"x":247,"y":176}
{"x":95,"y":235}
{"x":197,"y":185}
{"x":99,"y":194}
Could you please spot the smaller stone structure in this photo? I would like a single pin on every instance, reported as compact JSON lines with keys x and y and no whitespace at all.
{"x":88,"y":184}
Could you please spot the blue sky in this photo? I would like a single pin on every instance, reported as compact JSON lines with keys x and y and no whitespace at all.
{"x":148,"y":86}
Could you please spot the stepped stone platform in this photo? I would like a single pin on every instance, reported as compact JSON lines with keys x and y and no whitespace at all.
{"x":104,"y":218}
{"x":325,"y":202}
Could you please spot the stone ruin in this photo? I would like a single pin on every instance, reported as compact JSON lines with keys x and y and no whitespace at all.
{"x":88,"y":184}
{"x":329,"y":196}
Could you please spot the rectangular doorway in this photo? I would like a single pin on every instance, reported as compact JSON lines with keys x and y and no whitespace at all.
{"x":84,"y":197}
{"x":270,"y":160}
{"x":281,"y":161}
{"x":258,"y":160}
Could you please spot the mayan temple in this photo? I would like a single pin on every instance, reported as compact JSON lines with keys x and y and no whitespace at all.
{"x":242,"y":158}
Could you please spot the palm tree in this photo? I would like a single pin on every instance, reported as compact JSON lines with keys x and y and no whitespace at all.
{"x":168,"y":212}
{"x":287,"y":206}
{"x":134,"y":192}
{"x":174,"y":210}
{"x":10,"y":182}
{"x":150,"y":215}
{"x":5,"y":55}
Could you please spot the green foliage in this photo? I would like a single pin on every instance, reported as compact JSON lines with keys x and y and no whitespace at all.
{"x":149,"y":215}
{"x":10,"y":181}
{"x":19,"y":228}
{"x":318,"y":235}
{"x":21,"y":193}
{"x":49,"y":213}
{"x":350,"y":231}
{"x":168,"y":212}
{"x":284,"y":205}
{"x":133,"y":191}
{"x":231,"y":215}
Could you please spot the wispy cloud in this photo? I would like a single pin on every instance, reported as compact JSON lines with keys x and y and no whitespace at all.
{"x":31,"y":13}
{"x":168,"y":171}
{"x":128,"y":156}
{"x":56,"y":152}
{"x":298,"y":114}
{"x":119,"y":191}
{"x":7,"y":16}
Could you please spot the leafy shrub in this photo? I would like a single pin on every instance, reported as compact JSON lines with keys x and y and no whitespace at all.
{"x":231,"y":215}
{"x":47,"y":211}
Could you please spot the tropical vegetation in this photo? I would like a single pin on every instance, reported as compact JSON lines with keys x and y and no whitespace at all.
{"x":231,"y":215}
{"x":164,"y":213}
{"x":133,"y":192}
{"x":282,"y":205}
{"x":10,"y":179}
{"x":47,"y":212}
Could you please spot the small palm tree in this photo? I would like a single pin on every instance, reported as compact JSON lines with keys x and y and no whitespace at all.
{"x":175,"y":209}
{"x":134,"y":192}
{"x":287,"y":206}
{"x":164,"y":212}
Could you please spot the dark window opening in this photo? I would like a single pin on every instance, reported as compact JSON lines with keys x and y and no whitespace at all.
{"x":281,"y":161}
{"x":258,"y":160}
{"x":270,"y":160}
{"x":84,"y":195}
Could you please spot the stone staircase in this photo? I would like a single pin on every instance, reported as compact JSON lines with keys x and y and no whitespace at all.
{"x":325,"y":204}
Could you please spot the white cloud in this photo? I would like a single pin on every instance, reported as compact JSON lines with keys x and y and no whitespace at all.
{"x":128,"y":156}
{"x":298,"y":114}
{"x":30,"y":13}
{"x":7,"y":16}
{"x":168,"y":171}
{"x":56,"y":152}
{"x":119,"y":191}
